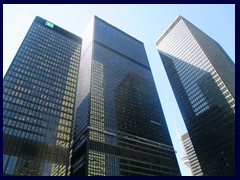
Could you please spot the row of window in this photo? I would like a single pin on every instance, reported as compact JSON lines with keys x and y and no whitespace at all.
{"x":59,"y":140}
{"x":34,"y":69}
{"x":40,"y":103}
{"x":32,"y":116}
{"x":48,"y":50}
{"x":37,"y":124}
{"x":34,"y":101}
{"x":105,"y":164}
{"x":20,"y":166}
{"x":25,"y":85}
{"x":51,"y":68}
{"x":38,"y":81}
{"x":56,"y":36}
{"x":23,"y":121}
{"x":42,"y":58}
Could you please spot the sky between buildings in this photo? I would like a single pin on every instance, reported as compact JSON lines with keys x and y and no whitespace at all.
{"x":145,"y":22}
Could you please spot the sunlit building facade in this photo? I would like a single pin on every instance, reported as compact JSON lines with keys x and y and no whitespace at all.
{"x":202,"y":77}
{"x":191,"y":155}
{"x":39,"y":91}
{"x":120,"y":128}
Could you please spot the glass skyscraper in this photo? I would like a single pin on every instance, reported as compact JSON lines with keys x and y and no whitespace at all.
{"x":120,"y":128}
{"x":202,"y":78}
{"x":39,"y":92}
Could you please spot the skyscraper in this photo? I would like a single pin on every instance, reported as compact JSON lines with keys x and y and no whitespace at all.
{"x":184,"y":158}
{"x":202,"y":78}
{"x":189,"y":156}
{"x":188,"y":147}
{"x":39,"y":91}
{"x":120,"y":128}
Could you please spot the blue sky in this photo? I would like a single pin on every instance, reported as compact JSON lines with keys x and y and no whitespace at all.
{"x":145,"y":22}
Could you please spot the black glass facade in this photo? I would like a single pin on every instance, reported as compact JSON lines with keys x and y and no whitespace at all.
{"x":202,"y":77}
{"x":39,"y":92}
{"x":120,"y":128}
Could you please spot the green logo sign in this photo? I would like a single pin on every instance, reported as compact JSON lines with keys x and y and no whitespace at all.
{"x":49,"y":24}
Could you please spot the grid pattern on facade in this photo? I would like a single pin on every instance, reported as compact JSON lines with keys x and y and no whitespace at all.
{"x":195,"y":166}
{"x":126,"y":131}
{"x":206,"y":103}
{"x":38,"y":101}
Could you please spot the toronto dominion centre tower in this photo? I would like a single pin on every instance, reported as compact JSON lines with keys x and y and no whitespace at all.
{"x":89,"y":106}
